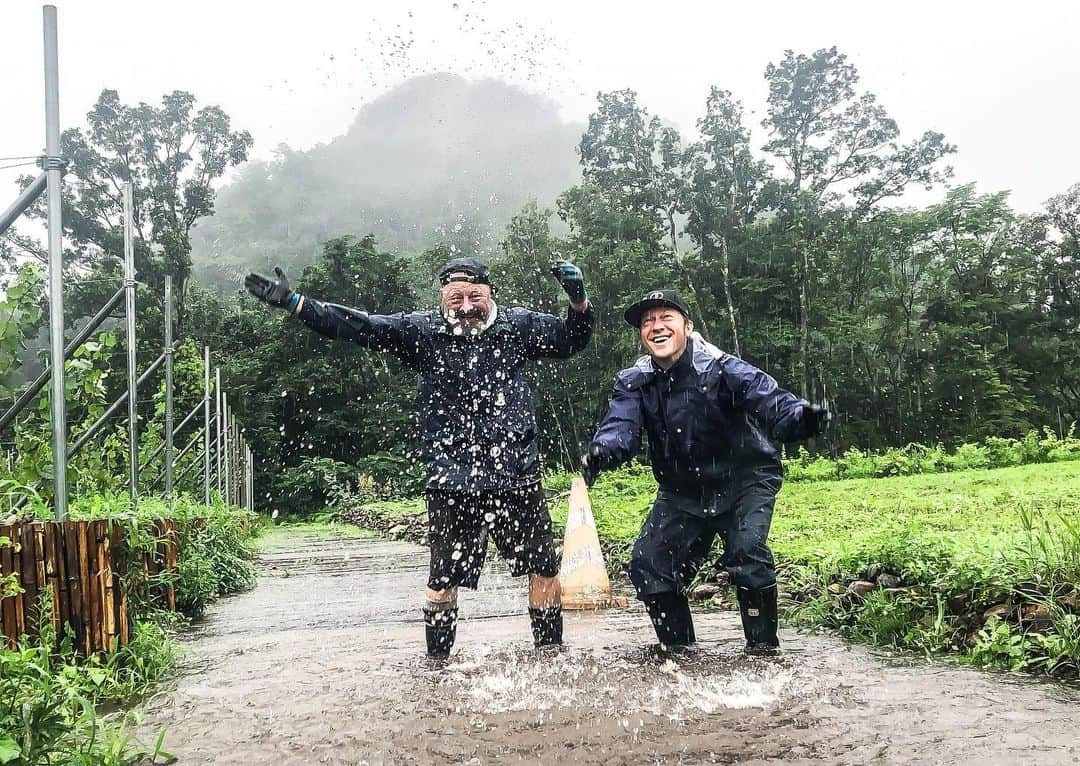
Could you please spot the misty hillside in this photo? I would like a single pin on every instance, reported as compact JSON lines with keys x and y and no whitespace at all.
{"x":437,"y":159}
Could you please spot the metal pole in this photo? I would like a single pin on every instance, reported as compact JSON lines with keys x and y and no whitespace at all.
{"x":206,"y":428}
{"x":236,"y":459}
{"x":217,"y":425}
{"x":250,"y":479}
{"x":25,"y":200}
{"x":53,"y":165}
{"x":168,"y":390}
{"x":225,"y":435}
{"x":185,"y":471}
{"x":129,"y":310}
{"x":179,"y":457}
{"x":241,"y":478}
{"x":176,"y":432}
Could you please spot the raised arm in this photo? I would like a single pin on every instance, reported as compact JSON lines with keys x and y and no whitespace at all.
{"x":545,"y":335}
{"x":397,"y":334}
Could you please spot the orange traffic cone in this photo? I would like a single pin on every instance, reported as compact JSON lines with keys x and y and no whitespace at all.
{"x":585,"y":584}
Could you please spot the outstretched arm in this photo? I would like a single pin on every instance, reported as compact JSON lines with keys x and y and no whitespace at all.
{"x":547,"y":335}
{"x":784,"y":416}
{"x":392,"y":333}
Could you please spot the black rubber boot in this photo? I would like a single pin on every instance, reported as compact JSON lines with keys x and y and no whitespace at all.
{"x":440,"y":627}
{"x":671,"y":619}
{"x":546,"y":625}
{"x":759,"y":619}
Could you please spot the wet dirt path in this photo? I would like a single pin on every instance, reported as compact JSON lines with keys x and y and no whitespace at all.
{"x":322,"y":663}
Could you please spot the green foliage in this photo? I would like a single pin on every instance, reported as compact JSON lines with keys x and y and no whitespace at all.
{"x":21,"y":315}
{"x":302,"y":396}
{"x":1000,"y":644}
{"x":49,"y":698}
{"x":86,"y":377}
{"x":9,"y":584}
{"x":993,"y":452}
{"x":171,"y":154}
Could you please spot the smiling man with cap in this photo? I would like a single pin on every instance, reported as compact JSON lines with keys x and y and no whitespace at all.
{"x":478,"y":426}
{"x":710,"y":419}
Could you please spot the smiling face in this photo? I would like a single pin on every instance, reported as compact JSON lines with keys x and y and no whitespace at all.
{"x":663,"y":334}
{"x":466,"y":305}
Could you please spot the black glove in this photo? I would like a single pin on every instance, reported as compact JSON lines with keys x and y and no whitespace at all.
{"x":596,"y":458}
{"x":276,"y":293}
{"x":817,"y":419}
{"x":571,"y":279}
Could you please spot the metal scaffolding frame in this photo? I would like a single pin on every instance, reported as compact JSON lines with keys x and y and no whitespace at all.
{"x":234,"y":458}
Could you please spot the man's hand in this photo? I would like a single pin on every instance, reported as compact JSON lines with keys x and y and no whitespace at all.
{"x":596,"y":458}
{"x":572,"y":281}
{"x":817,"y":419}
{"x":276,"y":293}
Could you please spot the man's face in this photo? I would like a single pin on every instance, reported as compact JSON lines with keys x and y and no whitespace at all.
{"x":466,"y":305}
{"x":663,"y":334}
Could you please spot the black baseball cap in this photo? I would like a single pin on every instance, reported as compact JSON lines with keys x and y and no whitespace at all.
{"x":655,"y":299}
{"x":465,"y":270}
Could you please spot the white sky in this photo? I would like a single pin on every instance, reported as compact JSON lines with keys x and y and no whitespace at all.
{"x":999,"y":79}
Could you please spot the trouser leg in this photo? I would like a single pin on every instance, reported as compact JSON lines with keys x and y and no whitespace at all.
{"x":749,"y":561}
{"x":671,"y":618}
{"x":673,"y":543}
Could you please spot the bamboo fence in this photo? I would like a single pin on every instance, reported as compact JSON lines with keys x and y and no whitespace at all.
{"x":92,"y":576}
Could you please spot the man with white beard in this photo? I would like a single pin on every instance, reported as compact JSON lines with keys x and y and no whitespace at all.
{"x":478,"y":422}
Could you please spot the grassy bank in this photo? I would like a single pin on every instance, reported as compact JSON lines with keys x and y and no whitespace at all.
{"x":980,"y":564}
{"x":51,"y":700}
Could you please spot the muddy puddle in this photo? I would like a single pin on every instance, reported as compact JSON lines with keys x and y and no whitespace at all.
{"x":323,"y":663}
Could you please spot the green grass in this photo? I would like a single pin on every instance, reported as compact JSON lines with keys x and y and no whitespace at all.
{"x":983,"y":506}
{"x":283,"y":535}
{"x":960,"y":543}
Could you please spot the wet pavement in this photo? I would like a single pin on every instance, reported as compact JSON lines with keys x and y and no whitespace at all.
{"x":323,"y":663}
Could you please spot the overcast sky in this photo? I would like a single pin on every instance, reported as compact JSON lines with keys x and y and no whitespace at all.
{"x":999,"y":79}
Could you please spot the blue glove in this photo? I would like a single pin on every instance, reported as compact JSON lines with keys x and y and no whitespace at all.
{"x":571,"y":279}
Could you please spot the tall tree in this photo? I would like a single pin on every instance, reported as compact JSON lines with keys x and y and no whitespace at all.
{"x":833,"y":140}
{"x":171,"y":154}
{"x":1058,"y":301}
{"x":725,"y":191}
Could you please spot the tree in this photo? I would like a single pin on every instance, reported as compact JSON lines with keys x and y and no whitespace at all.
{"x":726,"y":190}
{"x":833,"y":141}
{"x":171,"y":154}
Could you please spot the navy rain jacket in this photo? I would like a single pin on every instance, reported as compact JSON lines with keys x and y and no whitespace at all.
{"x":476,"y":407}
{"x":708,"y":417}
